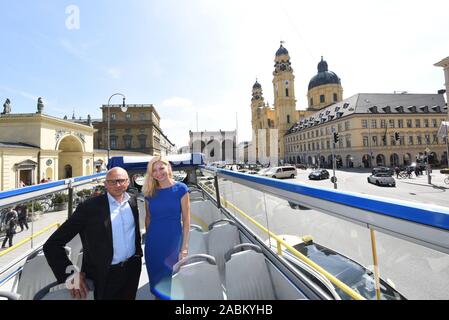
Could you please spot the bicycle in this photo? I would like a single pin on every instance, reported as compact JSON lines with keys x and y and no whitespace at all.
{"x":405,"y":175}
{"x":78,"y":199}
{"x":46,"y":204}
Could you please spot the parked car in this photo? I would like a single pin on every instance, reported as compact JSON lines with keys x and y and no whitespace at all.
{"x":319,"y":174}
{"x":353,"y":274}
{"x":382,"y":179}
{"x":263,"y":171}
{"x":178,"y":176}
{"x":301,"y":166}
{"x":205,"y":179}
{"x":388,"y":170}
{"x":281,"y":172}
{"x":248,"y":171}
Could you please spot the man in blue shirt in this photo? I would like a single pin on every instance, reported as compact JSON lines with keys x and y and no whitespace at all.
{"x":108,"y":226}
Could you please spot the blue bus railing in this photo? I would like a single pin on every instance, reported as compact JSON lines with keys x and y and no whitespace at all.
{"x":29,"y":193}
{"x":420,"y":223}
{"x":374,"y":226}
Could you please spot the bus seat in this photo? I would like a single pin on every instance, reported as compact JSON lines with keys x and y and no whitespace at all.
{"x":205,"y":211}
{"x":196,"y":277}
{"x":248,"y":277}
{"x":197,"y":240}
{"x":55,"y":291}
{"x":223,"y":236}
{"x":35,"y":275}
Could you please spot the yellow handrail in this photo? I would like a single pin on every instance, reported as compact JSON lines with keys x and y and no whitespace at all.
{"x":295,"y":252}
{"x":198,"y":220}
{"x":21,"y":243}
{"x":376,"y":264}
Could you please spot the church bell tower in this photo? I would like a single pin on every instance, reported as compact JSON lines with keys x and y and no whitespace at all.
{"x":284,"y":96}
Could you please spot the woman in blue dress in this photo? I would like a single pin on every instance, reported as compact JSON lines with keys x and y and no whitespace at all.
{"x":166,"y":241}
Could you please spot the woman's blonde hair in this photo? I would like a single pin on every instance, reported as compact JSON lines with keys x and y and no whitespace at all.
{"x":150,"y":184}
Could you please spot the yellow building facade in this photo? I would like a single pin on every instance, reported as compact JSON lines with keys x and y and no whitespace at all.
{"x":37,"y":146}
{"x":366,"y":125}
{"x":273,"y":123}
{"x":136,"y":130}
{"x":263,"y":124}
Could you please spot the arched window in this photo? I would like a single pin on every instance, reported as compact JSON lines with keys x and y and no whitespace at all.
{"x":286,"y":92}
{"x":288,"y":118}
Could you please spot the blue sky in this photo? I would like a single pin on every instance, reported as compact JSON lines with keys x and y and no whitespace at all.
{"x":204,"y":55}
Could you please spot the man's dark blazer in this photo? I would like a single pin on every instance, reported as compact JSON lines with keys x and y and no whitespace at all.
{"x":92,"y":221}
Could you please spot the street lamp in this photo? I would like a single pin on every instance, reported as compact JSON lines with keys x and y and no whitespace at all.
{"x":123,"y":108}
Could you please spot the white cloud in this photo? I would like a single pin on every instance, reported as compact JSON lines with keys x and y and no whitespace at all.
{"x":48,"y":104}
{"x":55,"y":105}
{"x":81,"y":52}
{"x":22,"y":93}
{"x":177,"y":102}
{"x":213,"y":117}
{"x":177,"y":118}
{"x":177,"y":131}
{"x":172,"y":124}
{"x":78,"y":51}
{"x":114,"y":72}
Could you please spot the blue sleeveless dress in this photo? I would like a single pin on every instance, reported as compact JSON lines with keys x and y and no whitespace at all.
{"x":164,"y":237}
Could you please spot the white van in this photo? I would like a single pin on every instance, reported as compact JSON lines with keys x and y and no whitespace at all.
{"x":281,"y":172}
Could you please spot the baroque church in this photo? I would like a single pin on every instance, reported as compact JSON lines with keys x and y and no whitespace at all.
{"x":270,"y":123}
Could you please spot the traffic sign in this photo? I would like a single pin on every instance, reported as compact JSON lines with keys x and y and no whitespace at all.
{"x":427,"y":150}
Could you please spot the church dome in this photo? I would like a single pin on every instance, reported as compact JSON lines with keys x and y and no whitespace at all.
{"x":324,"y":76}
{"x":281,"y":51}
{"x":257,"y":85}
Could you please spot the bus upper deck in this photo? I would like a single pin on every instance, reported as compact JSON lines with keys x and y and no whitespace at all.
{"x":248,"y":242}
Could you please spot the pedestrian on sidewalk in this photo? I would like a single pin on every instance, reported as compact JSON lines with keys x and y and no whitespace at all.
{"x":22,"y":211}
{"x":10,"y":221}
{"x":397,"y":170}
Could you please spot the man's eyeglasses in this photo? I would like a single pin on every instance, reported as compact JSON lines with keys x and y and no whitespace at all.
{"x":114,"y":182}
